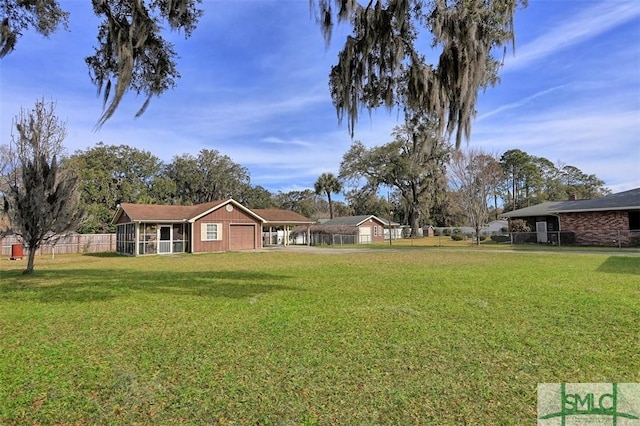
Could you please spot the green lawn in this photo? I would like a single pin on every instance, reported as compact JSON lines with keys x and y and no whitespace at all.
{"x":423,"y":336}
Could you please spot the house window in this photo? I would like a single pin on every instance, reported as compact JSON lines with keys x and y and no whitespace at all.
{"x":211,"y":232}
{"x":634,"y":220}
{"x":376,"y":231}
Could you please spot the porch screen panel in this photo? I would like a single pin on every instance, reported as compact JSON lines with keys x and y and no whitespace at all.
{"x":148,"y":239}
{"x":179,"y":238}
{"x":125,"y":238}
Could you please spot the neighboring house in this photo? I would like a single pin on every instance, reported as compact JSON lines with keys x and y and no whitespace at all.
{"x":210,"y":227}
{"x":367,"y":229}
{"x":610,"y":220}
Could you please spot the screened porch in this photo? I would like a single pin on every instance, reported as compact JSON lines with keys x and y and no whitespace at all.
{"x":152,"y":238}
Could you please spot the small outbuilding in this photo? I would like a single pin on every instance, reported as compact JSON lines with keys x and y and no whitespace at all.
{"x":367,"y":228}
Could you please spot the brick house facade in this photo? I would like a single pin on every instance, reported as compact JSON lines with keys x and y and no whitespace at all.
{"x":613,"y":220}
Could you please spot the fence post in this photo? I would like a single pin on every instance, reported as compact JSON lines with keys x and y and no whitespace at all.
{"x":619,"y":240}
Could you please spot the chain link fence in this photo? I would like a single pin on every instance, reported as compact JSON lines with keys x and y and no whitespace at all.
{"x":590,"y":237}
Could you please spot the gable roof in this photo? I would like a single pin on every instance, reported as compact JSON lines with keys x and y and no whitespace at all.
{"x":154,"y":212}
{"x":278,"y":216}
{"x":352,"y":220}
{"x":172,"y":213}
{"x":627,"y":200}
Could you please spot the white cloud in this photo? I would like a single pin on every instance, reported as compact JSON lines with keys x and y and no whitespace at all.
{"x":566,"y":31}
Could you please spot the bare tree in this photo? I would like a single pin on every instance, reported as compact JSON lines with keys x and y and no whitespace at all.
{"x":472,"y":174}
{"x":42,"y":199}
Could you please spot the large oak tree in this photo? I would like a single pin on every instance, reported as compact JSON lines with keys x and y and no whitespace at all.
{"x":413,"y":164}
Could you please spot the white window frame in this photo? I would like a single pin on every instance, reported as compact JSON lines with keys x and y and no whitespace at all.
{"x":205,"y":231}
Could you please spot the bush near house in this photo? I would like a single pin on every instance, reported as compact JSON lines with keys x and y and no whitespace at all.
{"x":501,"y":238}
{"x":456,"y":236}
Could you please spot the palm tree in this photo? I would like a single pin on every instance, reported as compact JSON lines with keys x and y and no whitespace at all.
{"x":327,"y":183}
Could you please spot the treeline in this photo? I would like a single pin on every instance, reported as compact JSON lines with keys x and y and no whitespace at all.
{"x":513,"y":181}
{"x":529,"y":180}
{"x":114,"y":174}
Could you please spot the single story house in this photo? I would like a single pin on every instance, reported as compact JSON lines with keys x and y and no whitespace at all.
{"x":366,"y":228}
{"x":610,"y":220}
{"x":210,"y":227}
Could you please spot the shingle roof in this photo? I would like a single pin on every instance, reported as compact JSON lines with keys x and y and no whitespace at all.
{"x":627,"y":200}
{"x":351,"y":220}
{"x":621,"y":201}
{"x":147,"y":212}
{"x":542,"y":209}
{"x":281,"y":216}
{"x":165,"y":213}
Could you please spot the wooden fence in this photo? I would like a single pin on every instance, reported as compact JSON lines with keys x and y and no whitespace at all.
{"x":74,"y":243}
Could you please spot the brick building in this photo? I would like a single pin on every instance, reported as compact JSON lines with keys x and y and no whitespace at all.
{"x":613,"y":220}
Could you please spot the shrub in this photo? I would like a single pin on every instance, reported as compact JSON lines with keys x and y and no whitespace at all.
{"x":446,"y":232}
{"x":500,"y":238}
{"x":567,"y":238}
{"x":458,"y":236}
{"x":524,"y":237}
{"x":437,"y":232}
{"x":482,"y":237}
{"x":519,"y":225}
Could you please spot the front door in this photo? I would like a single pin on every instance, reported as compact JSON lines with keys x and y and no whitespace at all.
{"x":541,"y":231}
{"x":165,"y":239}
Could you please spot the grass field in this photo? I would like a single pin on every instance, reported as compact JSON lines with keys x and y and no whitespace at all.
{"x":422,"y":336}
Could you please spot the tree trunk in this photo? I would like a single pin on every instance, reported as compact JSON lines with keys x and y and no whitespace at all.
{"x":30,"y":261}
{"x":413,"y":222}
{"x":330,"y":205}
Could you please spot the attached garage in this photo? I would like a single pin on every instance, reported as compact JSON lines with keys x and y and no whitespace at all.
{"x":242,"y":237}
{"x":203,"y":228}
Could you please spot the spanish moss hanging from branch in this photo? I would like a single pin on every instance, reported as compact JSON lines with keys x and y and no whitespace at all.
{"x":131,"y":52}
{"x":381,"y":63}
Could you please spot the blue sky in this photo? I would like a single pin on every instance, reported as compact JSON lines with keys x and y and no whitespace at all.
{"x":254,"y":87}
